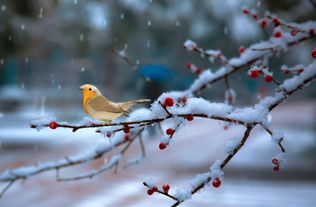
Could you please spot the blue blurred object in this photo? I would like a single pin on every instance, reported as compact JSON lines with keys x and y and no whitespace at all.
{"x":157,"y":72}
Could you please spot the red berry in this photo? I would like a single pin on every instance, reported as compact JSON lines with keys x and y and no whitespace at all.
{"x":276,"y":22}
{"x":166,"y":188}
{"x":198,"y":70}
{"x":255,"y":16}
{"x":190,"y":118}
{"x":268,"y":78}
{"x":275,"y":161}
{"x":126,"y":138}
{"x":226,"y":127}
{"x":150,"y":191}
{"x":263,"y":23}
{"x":254,"y":73}
{"x":217,"y":182}
{"x":311,"y":31}
{"x":126,"y":130}
{"x":184,"y":99}
{"x":293,"y":32}
{"x":241,"y":49}
{"x":276,"y":168}
{"x":168,"y":102}
{"x":219,"y":55}
{"x":245,"y":11}
{"x":286,"y":72}
{"x":108,"y":134}
{"x":169,"y":131}
{"x":278,"y":34}
{"x":189,"y":66}
{"x":162,"y":146}
{"x":313,"y":53}
{"x":154,"y":189}
{"x":53,"y":125}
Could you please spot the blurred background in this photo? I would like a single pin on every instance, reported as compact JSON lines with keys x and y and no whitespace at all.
{"x":49,"y":48}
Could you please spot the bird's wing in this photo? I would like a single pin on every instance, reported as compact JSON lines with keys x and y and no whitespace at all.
{"x":100,"y":103}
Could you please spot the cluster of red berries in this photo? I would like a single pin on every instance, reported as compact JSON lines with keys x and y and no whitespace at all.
{"x":247,"y":11}
{"x":276,"y":164}
{"x":126,"y":131}
{"x":154,"y":189}
{"x":263,"y":22}
{"x":217,"y":182}
{"x":163,"y":145}
{"x":254,"y":73}
{"x":194,"y":68}
{"x":53,"y":125}
{"x":168,"y":102}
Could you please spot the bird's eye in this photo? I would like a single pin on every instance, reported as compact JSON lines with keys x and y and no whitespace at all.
{"x":90,"y":89}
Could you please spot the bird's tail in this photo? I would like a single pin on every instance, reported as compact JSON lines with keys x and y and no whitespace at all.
{"x":128,"y":104}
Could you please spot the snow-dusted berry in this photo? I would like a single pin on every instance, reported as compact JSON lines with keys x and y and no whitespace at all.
{"x":126,"y":138}
{"x":313,"y":53}
{"x":150,"y":192}
{"x":245,"y":11}
{"x":168,"y":102}
{"x":217,"y":182}
{"x":276,"y":168}
{"x":255,"y":16}
{"x":169,"y":131}
{"x":190,"y":66}
{"x":108,"y":134}
{"x":184,"y":99}
{"x":126,"y":129}
{"x":254,"y":73}
{"x":242,"y":49}
{"x":275,"y":161}
{"x":268,"y":78}
{"x":166,"y":188}
{"x":293,"y":32}
{"x":162,"y":146}
{"x":190,"y":118}
{"x":154,"y":189}
{"x":53,"y":125}
{"x":276,"y":22}
{"x":263,"y":23}
{"x":277,"y":34}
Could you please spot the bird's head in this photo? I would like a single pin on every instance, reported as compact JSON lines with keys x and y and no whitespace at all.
{"x":89,"y":91}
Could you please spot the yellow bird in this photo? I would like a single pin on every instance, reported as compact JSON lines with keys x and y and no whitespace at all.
{"x":100,"y":108}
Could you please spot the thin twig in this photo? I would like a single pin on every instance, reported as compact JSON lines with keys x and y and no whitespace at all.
{"x":7,"y":187}
{"x":133,"y":65}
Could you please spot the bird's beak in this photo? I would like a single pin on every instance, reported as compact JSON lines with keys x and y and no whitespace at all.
{"x":81,"y":87}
